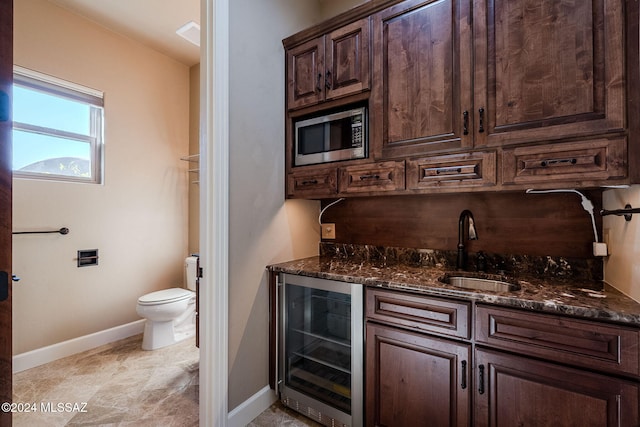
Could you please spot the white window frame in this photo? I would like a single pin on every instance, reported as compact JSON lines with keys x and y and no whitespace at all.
{"x":72,"y":91}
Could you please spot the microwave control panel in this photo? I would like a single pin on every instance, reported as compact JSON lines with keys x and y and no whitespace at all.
{"x":356,"y":131}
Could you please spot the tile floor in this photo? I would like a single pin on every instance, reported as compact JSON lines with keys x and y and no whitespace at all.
{"x":123,"y":385}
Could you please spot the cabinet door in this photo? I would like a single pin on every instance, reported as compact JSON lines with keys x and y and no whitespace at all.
{"x":547,"y":70}
{"x":422,"y":81}
{"x":516,"y":391}
{"x":415,"y":380}
{"x":348,"y":60}
{"x":305,"y":74}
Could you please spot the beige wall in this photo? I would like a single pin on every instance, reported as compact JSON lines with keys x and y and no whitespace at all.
{"x":622,"y":267}
{"x":137,"y":219}
{"x":263,"y":227}
{"x":331,"y":8}
{"x":194,"y":148}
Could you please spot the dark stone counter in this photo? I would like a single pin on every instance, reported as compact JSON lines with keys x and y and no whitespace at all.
{"x":570,"y":294}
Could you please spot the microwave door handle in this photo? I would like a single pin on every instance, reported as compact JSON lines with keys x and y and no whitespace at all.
{"x":327,"y":137}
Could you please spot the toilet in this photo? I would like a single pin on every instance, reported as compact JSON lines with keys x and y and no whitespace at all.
{"x":170,"y":313}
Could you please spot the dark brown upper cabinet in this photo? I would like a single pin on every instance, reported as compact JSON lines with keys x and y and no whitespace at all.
{"x":450,"y":75}
{"x":422,"y":78}
{"x":329,"y":67}
{"x":475,"y":95}
{"x":546,"y":71}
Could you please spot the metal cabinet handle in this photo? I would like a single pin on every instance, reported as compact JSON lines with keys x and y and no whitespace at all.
{"x":318,"y":87}
{"x":465,"y":123}
{"x":481,"y":126}
{"x":463,"y":381}
{"x":481,"y":379}
{"x":549,"y":162}
{"x":449,"y":171}
{"x":371,"y":176}
{"x":310,"y":182}
{"x":328,"y":81}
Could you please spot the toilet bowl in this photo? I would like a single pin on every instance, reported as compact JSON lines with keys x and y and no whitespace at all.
{"x":170,"y":313}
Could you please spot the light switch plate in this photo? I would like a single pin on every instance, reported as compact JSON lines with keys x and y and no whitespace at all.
{"x":328,"y":231}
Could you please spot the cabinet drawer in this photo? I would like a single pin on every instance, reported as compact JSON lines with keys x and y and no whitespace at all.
{"x":383,"y":176}
{"x":457,"y":170}
{"x":316,"y":183}
{"x":583,"y":343}
{"x":596,"y":160}
{"x":442,"y":316}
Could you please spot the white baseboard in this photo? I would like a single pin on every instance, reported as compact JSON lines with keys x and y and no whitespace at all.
{"x":244,"y":413}
{"x":43,"y":355}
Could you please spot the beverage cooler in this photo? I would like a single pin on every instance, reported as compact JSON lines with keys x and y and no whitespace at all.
{"x":320,"y":370}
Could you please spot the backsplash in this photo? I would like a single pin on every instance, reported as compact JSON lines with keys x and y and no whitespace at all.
{"x":589,"y":269}
{"x":506,"y":223}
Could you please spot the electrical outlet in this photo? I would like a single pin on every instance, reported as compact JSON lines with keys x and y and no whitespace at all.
{"x":328,"y":231}
{"x":600,"y":249}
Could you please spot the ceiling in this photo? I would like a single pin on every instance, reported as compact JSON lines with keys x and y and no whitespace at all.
{"x":151,"y":22}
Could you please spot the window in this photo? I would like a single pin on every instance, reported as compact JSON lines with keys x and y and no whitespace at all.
{"x":57,"y":129}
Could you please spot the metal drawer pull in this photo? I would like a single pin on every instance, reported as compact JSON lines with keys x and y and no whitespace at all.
{"x":448,"y":171}
{"x":465,"y":123}
{"x":550,"y":162}
{"x":481,"y":379}
{"x":463,"y":382}
{"x":372,"y":176}
{"x":309,"y":182}
{"x":481,"y":126}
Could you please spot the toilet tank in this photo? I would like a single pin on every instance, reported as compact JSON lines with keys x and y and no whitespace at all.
{"x":191,"y":273}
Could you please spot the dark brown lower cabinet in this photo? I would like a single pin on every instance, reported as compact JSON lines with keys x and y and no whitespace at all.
{"x":416,"y":380}
{"x":528,"y":369}
{"x":518,"y":391}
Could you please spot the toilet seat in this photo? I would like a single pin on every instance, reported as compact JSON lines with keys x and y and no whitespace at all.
{"x":165,"y":296}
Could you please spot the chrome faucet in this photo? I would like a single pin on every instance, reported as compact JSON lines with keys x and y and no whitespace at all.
{"x":466,"y":214}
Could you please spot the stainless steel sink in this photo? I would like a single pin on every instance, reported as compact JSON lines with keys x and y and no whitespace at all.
{"x":480,"y":284}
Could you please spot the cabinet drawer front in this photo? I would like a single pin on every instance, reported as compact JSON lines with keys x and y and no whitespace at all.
{"x":578,"y":342}
{"x":309,"y":184}
{"x":472,"y":169}
{"x":384,"y":176}
{"x":597,"y":160}
{"x":446,"y":317}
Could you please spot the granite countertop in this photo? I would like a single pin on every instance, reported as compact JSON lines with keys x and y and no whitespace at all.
{"x":573,"y":297}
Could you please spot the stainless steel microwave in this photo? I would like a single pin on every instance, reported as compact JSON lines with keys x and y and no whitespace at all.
{"x":332,"y":137}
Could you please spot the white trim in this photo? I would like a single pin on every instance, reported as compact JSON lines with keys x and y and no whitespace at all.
{"x":214,"y":212}
{"x":57,"y":81}
{"x":248,"y":410}
{"x":40,"y":356}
